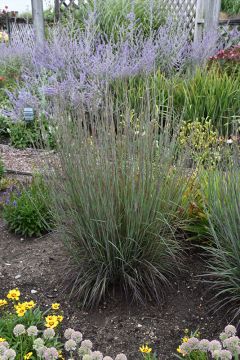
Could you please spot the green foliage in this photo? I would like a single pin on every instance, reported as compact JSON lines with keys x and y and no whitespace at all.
{"x":231,"y":6}
{"x":223,"y":201}
{"x":201,"y":141}
{"x":35,"y":134}
{"x":114,"y":15}
{"x":26,"y":211}
{"x":23,"y":135}
{"x":209,"y":94}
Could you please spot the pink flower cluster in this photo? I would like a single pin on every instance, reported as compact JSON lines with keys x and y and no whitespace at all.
{"x":232,"y":54}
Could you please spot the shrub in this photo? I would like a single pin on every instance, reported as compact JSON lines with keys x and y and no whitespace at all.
{"x":223,"y":209}
{"x":26,"y":211}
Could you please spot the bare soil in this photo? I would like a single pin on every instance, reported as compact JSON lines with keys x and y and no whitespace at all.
{"x":38,"y":265}
{"x":115,"y":326}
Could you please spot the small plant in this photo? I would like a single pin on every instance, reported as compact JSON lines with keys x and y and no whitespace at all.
{"x":201,"y":141}
{"x":146,"y":352}
{"x":26,"y":211}
{"x":26,"y":333}
{"x":227,"y":348}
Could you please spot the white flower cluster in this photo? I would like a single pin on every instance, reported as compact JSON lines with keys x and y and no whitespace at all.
{"x":83,"y":348}
{"x":5,"y":352}
{"x":74,"y":344}
{"x":226,"y":349}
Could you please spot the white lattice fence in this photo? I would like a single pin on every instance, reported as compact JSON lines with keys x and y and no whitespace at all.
{"x":184,"y":10}
{"x":22,"y":33}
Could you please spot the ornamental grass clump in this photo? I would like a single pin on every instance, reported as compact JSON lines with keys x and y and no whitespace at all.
{"x":223,"y":209}
{"x":116,"y":200}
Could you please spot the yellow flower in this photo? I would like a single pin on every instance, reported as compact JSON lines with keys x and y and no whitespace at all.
{"x":2,"y":339}
{"x":60,"y":318}
{"x":185,"y":339}
{"x":60,"y":356}
{"x":13,"y":294}
{"x":145,"y":349}
{"x":3,"y":302}
{"x":28,"y":356}
{"x":51,"y":321}
{"x":55,"y":306}
{"x":29,"y":304}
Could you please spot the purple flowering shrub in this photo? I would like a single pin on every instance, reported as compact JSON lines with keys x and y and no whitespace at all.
{"x":78,"y":65}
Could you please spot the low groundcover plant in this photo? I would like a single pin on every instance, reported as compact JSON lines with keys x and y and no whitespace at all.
{"x":26,"y":332}
{"x":226,"y":348}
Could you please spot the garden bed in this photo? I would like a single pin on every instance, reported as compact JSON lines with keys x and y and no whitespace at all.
{"x":38,"y":265}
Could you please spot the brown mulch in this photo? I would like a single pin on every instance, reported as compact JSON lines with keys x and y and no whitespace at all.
{"x":25,"y":161}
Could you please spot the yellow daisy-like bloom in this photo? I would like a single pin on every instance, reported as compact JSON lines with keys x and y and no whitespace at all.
{"x":29,"y":304}
{"x":145,"y":349}
{"x":60,"y":355}
{"x":13,"y":294}
{"x":28,"y":356}
{"x":60,"y":318}
{"x":185,"y":339}
{"x":55,"y":306}
{"x":20,"y":312}
{"x":180,"y":351}
{"x":51,"y":321}
{"x":3,"y":302}
{"x":2,"y":339}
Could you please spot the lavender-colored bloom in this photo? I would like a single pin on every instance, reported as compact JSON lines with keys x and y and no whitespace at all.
{"x":9,"y":354}
{"x":97,"y":355}
{"x":48,"y":333}
{"x":77,"y":336}
{"x":230,"y":330}
{"x":19,"y":330}
{"x":214,"y":345}
{"x":32,"y":331}
{"x":225,"y":355}
{"x":2,"y":349}
{"x":232,"y":343}
{"x":51,"y":354}
{"x":87,"y":344}
{"x":121,"y":357}
{"x":70,"y":345}
{"x":38,"y":343}
{"x":68,"y":333}
{"x":14,"y":203}
{"x":203,"y":345}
